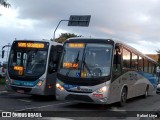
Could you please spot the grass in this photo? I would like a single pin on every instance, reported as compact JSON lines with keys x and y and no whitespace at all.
{"x":2,"y":81}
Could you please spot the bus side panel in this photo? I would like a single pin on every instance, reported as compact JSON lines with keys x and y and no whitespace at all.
{"x":114,"y":91}
{"x":152,"y":81}
{"x":136,"y":85}
{"x":117,"y":85}
{"x":50,"y":87}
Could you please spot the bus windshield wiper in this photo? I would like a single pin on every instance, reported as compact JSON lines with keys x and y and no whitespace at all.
{"x":84,"y":62}
{"x":76,"y":60}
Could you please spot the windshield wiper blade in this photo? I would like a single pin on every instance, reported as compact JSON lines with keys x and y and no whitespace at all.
{"x":75,"y":61}
{"x":87,"y":68}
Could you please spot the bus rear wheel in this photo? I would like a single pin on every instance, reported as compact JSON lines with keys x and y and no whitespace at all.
{"x":123,"y":99}
{"x":146,"y":93}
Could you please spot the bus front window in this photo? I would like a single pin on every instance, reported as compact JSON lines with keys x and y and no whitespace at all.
{"x":71,"y":63}
{"x":97,"y":60}
{"x":26,"y":62}
{"x":93,"y":60}
{"x":32,"y":62}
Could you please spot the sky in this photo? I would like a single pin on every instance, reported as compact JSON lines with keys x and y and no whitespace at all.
{"x":135,"y":22}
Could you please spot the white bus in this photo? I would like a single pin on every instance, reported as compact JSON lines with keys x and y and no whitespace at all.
{"x":103,"y":71}
{"x":32,"y":67}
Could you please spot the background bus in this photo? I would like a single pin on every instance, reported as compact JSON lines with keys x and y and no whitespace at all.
{"x":32,"y":67}
{"x":103,"y":71}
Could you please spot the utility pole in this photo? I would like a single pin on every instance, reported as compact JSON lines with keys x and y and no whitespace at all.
{"x":75,"y":20}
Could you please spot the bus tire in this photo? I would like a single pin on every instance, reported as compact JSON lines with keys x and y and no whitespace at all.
{"x":146,"y":92}
{"x":123,"y":98}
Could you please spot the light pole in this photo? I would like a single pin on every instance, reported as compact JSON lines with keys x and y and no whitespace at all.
{"x":75,"y":20}
{"x":56,"y":28}
{"x":8,"y":51}
{"x":4,"y":51}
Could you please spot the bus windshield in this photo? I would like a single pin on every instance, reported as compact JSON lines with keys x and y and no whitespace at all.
{"x":27,"y":62}
{"x":86,"y":60}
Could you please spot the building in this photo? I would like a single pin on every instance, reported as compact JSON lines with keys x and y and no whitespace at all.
{"x":153,"y":56}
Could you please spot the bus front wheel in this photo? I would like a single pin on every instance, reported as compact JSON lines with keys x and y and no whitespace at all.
{"x":123,"y":98}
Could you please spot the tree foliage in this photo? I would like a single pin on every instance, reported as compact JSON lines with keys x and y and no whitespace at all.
{"x":64,"y":36}
{"x":5,"y":3}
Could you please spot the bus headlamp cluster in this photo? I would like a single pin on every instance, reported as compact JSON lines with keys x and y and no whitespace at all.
{"x":102,"y":89}
{"x":7,"y":80}
{"x":39,"y":83}
{"x":59,"y":87}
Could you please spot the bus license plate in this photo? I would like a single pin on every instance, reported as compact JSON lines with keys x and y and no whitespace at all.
{"x":20,"y":91}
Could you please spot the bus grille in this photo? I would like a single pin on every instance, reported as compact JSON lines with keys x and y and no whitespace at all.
{"x":84,"y":98}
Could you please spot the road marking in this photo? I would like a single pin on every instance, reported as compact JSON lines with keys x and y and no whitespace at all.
{"x":3,"y":92}
{"x":43,"y":106}
{"x":116,"y":109}
{"x":25,"y":100}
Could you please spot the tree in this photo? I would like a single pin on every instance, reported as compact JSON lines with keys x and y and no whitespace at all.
{"x":5,"y":3}
{"x":64,"y":36}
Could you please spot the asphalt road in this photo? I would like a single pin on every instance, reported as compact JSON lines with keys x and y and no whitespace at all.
{"x":79,"y":111}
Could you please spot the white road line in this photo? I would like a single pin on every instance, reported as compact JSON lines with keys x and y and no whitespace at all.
{"x":43,"y":106}
{"x":117,"y":109}
{"x":25,"y":100}
{"x":4,"y":91}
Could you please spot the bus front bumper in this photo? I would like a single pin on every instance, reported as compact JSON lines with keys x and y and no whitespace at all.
{"x":81,"y":97}
{"x":24,"y":90}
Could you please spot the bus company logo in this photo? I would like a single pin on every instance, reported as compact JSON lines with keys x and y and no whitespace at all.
{"x":84,"y":89}
{"x":6,"y":114}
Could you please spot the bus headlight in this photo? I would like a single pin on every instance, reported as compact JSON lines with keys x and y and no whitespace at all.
{"x":7,"y":80}
{"x":102,"y":89}
{"x":39,"y":83}
{"x":59,"y":87}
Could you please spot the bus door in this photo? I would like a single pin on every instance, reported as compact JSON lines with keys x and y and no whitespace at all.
{"x":116,"y":82}
{"x":54,"y":58}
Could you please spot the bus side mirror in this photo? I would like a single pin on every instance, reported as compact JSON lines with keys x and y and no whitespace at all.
{"x":3,"y":53}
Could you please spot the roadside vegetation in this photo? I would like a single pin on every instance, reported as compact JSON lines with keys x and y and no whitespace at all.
{"x":2,"y":81}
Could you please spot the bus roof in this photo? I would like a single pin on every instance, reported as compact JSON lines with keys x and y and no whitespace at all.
{"x":116,"y":41}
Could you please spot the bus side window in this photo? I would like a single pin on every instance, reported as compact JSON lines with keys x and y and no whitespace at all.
{"x":140,"y":63}
{"x":117,"y":63}
{"x":126,"y":60}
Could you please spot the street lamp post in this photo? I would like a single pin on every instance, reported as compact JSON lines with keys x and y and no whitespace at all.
{"x":75,"y":20}
{"x":56,"y":28}
{"x":4,"y":51}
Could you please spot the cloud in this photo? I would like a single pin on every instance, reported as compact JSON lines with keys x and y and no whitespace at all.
{"x":132,"y":21}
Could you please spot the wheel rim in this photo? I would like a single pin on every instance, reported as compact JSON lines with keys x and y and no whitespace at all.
{"x":123,"y":96}
{"x":146,"y":93}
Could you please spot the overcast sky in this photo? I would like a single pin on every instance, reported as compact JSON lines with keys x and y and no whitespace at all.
{"x":135,"y":22}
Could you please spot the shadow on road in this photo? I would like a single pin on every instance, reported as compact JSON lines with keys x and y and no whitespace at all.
{"x":89,"y":106}
{"x":38,"y":98}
